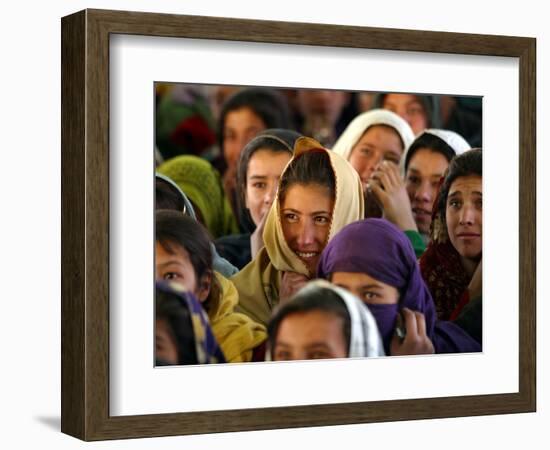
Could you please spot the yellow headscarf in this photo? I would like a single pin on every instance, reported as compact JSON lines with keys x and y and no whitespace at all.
{"x":259,"y":282}
{"x":236,"y":333}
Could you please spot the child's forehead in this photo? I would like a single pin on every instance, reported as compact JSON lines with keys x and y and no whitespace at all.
{"x":172,"y":247}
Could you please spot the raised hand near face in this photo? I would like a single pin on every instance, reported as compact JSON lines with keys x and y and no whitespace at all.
{"x":389,"y":190}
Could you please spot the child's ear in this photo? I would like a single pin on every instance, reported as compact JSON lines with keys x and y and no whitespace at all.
{"x":204,"y":286}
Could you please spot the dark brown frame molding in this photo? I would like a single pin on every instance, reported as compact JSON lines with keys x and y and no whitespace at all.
{"x":85,"y":224}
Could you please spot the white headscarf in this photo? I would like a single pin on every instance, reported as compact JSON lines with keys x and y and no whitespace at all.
{"x":364,"y":121}
{"x":365,"y":338}
{"x":452,"y":139}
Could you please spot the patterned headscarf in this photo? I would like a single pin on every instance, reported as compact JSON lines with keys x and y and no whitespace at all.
{"x":441,"y":264}
{"x":206,"y":346}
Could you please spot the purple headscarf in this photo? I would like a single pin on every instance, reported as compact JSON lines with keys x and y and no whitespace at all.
{"x":381,"y":250}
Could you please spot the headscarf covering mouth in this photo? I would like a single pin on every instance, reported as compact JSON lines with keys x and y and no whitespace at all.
{"x":358,"y":127}
{"x":348,"y":207}
{"x":378,"y":248}
{"x":381,"y":250}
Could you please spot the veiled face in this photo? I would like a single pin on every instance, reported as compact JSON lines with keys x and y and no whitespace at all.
{"x":366,"y":288}
{"x":306,"y":217}
{"x":313,"y":334}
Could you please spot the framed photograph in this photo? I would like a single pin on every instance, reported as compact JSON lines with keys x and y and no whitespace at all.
{"x":111,"y":63}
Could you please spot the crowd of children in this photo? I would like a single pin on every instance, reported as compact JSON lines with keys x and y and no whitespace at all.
{"x":307,"y":224}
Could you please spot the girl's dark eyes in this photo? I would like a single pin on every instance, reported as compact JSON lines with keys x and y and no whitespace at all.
{"x":283,"y":356}
{"x":322,"y":220}
{"x":370,"y":295}
{"x":413,"y":110}
{"x":259,"y":185}
{"x":414,"y":180}
{"x":171,"y":275}
{"x":319,"y":355}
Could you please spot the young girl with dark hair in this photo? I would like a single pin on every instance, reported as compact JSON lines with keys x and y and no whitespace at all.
{"x":451,"y":265}
{"x":323,"y":321}
{"x":183,"y":255}
{"x":245,"y":114}
{"x":261,"y":164}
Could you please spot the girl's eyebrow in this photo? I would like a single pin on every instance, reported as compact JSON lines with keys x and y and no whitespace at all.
{"x":313,"y":345}
{"x":169,"y":262}
{"x":311,"y":214}
{"x":372,"y":286}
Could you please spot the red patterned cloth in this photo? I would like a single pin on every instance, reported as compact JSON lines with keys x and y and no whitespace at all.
{"x":446,"y":278}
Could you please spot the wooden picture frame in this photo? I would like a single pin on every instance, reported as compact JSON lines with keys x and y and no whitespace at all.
{"x":85,"y":224}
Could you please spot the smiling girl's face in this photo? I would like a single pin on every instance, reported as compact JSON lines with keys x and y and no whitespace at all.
{"x":368,"y":289}
{"x":306,"y":216}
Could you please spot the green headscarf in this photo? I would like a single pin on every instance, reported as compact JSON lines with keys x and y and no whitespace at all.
{"x":202,"y":185}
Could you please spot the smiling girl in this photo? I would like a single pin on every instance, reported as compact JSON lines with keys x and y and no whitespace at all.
{"x":319,"y":193}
